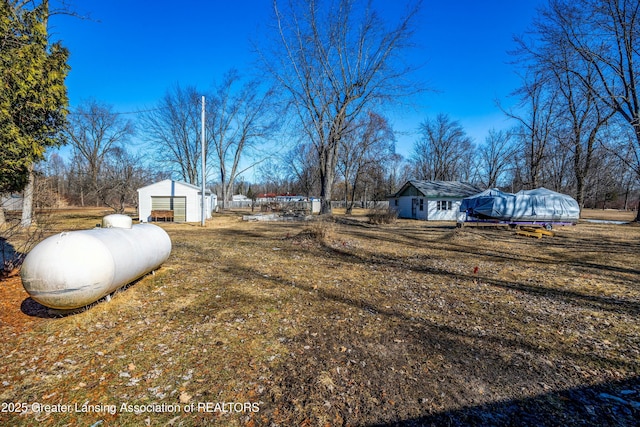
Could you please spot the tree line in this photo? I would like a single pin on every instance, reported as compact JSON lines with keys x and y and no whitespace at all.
{"x":314,"y":123}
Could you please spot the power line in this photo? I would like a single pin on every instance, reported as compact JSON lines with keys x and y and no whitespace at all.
{"x":116,"y":113}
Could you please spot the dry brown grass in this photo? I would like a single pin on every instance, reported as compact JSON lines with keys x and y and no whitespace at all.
{"x":346,"y":323}
{"x":608,"y":214}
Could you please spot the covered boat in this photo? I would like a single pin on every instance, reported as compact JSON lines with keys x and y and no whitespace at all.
{"x":539,"y":206}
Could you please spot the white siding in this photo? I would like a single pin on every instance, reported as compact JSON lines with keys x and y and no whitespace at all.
{"x":169,"y":188}
{"x":404,"y":207}
{"x":430,"y":211}
{"x":444,"y":215}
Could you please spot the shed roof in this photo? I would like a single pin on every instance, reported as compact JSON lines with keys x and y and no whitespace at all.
{"x":441,"y":188}
{"x":182,"y":183}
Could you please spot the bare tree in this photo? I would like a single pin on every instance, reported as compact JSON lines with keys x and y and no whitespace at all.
{"x":303,"y":168}
{"x":441,"y":152}
{"x":605,"y":34}
{"x":94,"y":130}
{"x":537,"y":120}
{"x":173,"y":131}
{"x":56,"y":170}
{"x":238,"y":120}
{"x":495,"y":156}
{"x":335,"y":60}
{"x":398,"y":172}
{"x":121,"y":176}
{"x":557,"y":170}
{"x":581,"y":113}
{"x":274,"y":177}
{"x":584,"y":116}
{"x":370,"y":142}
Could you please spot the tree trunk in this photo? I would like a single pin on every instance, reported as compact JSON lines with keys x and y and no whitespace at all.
{"x":223,"y":187}
{"x":626,"y":195}
{"x":3,"y":219}
{"x":353,"y":196}
{"x":327,"y":170}
{"x":348,"y":206}
{"x":580,"y":191}
{"x":325,"y":192}
{"x":27,"y":201}
{"x":637,"y":130}
{"x":579,"y":172}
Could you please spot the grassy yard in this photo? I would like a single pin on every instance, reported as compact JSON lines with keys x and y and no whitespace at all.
{"x":341,"y":322}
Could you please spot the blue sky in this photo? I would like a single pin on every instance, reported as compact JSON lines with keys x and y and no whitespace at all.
{"x":131,"y":52}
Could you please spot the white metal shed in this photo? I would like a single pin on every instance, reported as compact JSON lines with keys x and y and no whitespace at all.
{"x":182,"y":199}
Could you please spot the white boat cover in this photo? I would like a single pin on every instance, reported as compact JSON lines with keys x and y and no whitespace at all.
{"x":526,"y":205}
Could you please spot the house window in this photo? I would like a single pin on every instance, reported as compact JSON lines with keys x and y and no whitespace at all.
{"x":396,"y":202}
{"x":444,"y":205}
{"x":421,"y":204}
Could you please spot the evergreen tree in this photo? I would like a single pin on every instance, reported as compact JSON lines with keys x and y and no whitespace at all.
{"x":33,"y":95}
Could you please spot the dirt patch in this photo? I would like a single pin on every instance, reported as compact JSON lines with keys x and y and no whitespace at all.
{"x":14,"y":301}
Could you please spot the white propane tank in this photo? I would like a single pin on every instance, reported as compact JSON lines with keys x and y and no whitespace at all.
{"x":117,"y":221}
{"x":74,"y":269}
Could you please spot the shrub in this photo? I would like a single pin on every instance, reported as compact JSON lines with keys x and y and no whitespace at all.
{"x":382,"y":216}
{"x":320,"y":230}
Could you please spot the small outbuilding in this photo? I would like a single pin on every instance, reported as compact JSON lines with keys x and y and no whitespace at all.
{"x":431,"y":200}
{"x":171,"y":200}
{"x":11,"y":202}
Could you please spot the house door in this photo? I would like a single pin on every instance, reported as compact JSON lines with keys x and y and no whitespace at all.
{"x":176,"y":204}
{"x":414,"y":208}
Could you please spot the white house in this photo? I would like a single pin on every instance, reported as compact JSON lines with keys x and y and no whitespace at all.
{"x":11,"y":202}
{"x":431,"y":200}
{"x":182,"y":199}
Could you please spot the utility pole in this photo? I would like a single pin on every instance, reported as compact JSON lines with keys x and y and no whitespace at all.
{"x":204,"y":169}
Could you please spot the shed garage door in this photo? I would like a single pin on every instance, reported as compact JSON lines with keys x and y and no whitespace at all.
{"x":176,"y":204}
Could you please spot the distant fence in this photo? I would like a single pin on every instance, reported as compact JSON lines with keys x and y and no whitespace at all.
{"x":302,"y":205}
{"x":372,"y":204}
{"x":306,"y":206}
{"x":310,"y":206}
{"x":236,"y":204}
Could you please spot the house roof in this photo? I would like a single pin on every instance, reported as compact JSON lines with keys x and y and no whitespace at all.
{"x":441,"y":188}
